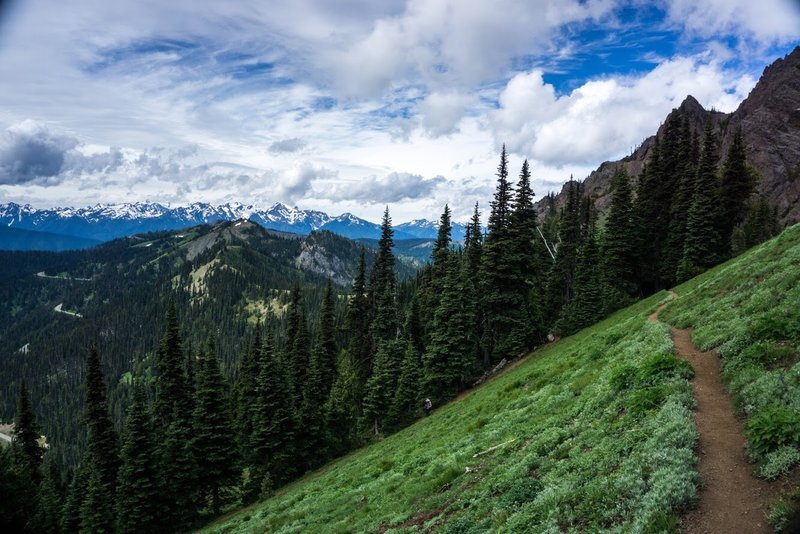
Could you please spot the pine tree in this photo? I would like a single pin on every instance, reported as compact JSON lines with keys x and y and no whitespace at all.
{"x":587,"y":306}
{"x":449,"y":360}
{"x":619,"y":249}
{"x":736,"y":187}
{"x":380,"y":386}
{"x":441,"y":248}
{"x":273,"y":428}
{"x":357,"y":326}
{"x":48,"y":502}
{"x":701,"y":245}
{"x":473,"y":255}
{"x":212,"y":440}
{"x":527,"y":254}
{"x":246,"y":393}
{"x":297,"y":353}
{"x":561,"y":278}
{"x":503,"y":303}
{"x":70,"y":520}
{"x":311,"y":431}
{"x":137,"y":486}
{"x":407,"y":398}
{"x":383,"y":286}
{"x":26,"y":436}
{"x":177,"y":474}
{"x":341,"y":408}
{"x":97,"y":510}
{"x":172,"y":394}
{"x":761,"y":223}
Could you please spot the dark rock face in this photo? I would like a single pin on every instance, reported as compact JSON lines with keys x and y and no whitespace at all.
{"x":770,"y":121}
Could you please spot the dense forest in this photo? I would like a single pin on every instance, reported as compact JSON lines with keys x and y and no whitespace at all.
{"x":199,"y":425}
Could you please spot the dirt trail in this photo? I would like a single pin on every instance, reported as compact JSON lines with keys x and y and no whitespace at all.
{"x":731,"y":499}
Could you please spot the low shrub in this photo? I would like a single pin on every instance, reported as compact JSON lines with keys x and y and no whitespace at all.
{"x":771,"y":428}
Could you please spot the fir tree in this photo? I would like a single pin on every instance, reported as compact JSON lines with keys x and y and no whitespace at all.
{"x":70,"y":520}
{"x":246,"y":393}
{"x":735,"y":189}
{"x":48,"y":502}
{"x":473,"y":255}
{"x":701,"y":245}
{"x":97,"y":510}
{"x":383,"y":286}
{"x":503,"y":303}
{"x":619,"y":247}
{"x":26,"y":436}
{"x":561,"y":278}
{"x":212,"y":440}
{"x":449,"y":358}
{"x":172,"y":394}
{"x":441,"y":248}
{"x":407,"y":398}
{"x":273,"y":427}
{"x":380,"y":386}
{"x":357,"y":326}
{"x":137,"y":486}
{"x":341,"y":408}
{"x":297,"y":353}
{"x":587,"y":306}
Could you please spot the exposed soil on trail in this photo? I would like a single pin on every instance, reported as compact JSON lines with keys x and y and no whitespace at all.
{"x":731,"y":498}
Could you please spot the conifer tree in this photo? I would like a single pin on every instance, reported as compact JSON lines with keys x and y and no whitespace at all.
{"x":357,"y":326}
{"x":46,"y":518}
{"x":473,"y":254}
{"x":407,"y":398}
{"x":172,"y":393}
{"x":341,"y":408}
{"x":383,"y":286}
{"x":504,"y":305}
{"x":561,"y":278}
{"x":26,"y":436}
{"x":701,"y":245}
{"x":412,"y":326}
{"x":246,"y":393}
{"x":70,"y":520}
{"x":441,"y":248}
{"x":735,"y":189}
{"x":380,"y":387}
{"x":297,"y":352}
{"x":587,"y":306}
{"x":619,"y":249}
{"x":449,"y":358}
{"x":137,"y":486}
{"x":97,"y":510}
{"x":273,"y":427}
{"x":212,"y":440}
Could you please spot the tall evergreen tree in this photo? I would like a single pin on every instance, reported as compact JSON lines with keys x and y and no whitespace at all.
{"x":246,"y":393}
{"x":619,"y":247}
{"x":71,"y":511}
{"x":46,"y":518}
{"x":383,"y":286}
{"x":341,"y":408}
{"x":137,"y":487}
{"x":503,"y":304}
{"x":587,"y":306}
{"x":736,"y":187}
{"x":408,"y":397}
{"x":172,"y":394}
{"x":273,"y":428}
{"x":701,"y":245}
{"x":473,"y":256}
{"x":441,"y":248}
{"x":357,"y":326}
{"x":561,"y":278}
{"x":212,"y":440}
{"x":380,"y":387}
{"x":26,"y":436}
{"x":297,"y":351}
{"x":97,"y":510}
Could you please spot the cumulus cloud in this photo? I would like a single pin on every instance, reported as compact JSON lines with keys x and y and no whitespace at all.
{"x":298,"y":182}
{"x":293,"y":144}
{"x":32,"y":153}
{"x":764,"y":21}
{"x":605,"y":118}
{"x":394,"y":187}
{"x":442,"y":111}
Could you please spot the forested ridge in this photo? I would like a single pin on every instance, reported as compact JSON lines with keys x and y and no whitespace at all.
{"x":225,"y":409}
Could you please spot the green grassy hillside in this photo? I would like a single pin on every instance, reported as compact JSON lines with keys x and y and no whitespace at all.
{"x":595,"y":431}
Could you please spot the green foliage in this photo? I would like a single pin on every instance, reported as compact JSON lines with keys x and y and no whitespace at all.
{"x":778,"y":462}
{"x":771,"y":428}
{"x":780,"y":514}
{"x":619,"y":248}
{"x":577,"y":461}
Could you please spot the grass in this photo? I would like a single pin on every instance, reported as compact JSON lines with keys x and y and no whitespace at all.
{"x":596,"y":430}
{"x":602,"y":436}
{"x":749,"y":309}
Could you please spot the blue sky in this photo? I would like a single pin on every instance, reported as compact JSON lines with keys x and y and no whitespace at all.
{"x":347,"y":105}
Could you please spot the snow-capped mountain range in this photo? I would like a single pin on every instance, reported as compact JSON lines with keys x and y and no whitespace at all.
{"x":104,"y":222}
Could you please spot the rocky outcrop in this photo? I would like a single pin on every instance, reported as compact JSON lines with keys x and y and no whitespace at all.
{"x":770,"y":121}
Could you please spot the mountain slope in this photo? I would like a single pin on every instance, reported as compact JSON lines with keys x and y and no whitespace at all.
{"x":770,"y":121}
{"x":19,"y":239}
{"x":592,"y":433}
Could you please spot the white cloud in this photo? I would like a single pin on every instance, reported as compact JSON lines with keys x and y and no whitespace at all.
{"x":764,"y":21}
{"x":605,"y":118}
{"x":442,"y":111}
{"x":394,"y":187}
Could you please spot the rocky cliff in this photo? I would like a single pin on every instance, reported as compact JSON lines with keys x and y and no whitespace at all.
{"x":770,"y":121}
